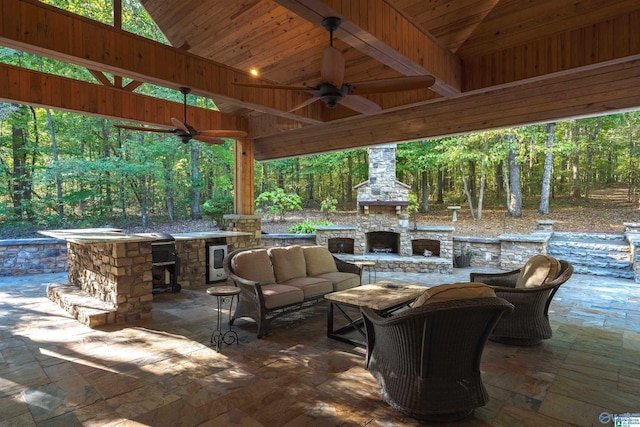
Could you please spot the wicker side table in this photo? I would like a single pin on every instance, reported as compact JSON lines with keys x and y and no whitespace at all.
{"x":223,"y":295}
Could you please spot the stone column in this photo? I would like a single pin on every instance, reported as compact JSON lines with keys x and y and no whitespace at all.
{"x":248,"y":224}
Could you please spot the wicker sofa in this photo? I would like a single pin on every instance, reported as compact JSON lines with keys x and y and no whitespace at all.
{"x":278,"y":280}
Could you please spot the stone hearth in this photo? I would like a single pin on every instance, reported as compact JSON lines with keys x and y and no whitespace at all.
{"x":382,"y":232}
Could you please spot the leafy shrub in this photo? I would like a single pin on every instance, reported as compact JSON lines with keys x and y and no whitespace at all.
{"x":278,"y":203}
{"x":307,"y":226}
{"x":329,"y":205}
{"x":218,"y":206}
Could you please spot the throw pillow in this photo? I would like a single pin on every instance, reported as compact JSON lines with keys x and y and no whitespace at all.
{"x":319,"y":260}
{"x":254,"y":265}
{"x":288,"y":263}
{"x":537,"y":271}
{"x":464,"y":290}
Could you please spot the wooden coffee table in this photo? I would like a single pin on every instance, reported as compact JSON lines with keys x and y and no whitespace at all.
{"x":384,"y":297}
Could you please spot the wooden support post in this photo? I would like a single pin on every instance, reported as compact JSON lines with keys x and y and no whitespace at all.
{"x":244,"y":177}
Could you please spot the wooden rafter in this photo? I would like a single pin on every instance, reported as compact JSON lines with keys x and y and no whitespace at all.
{"x":126,"y":54}
{"x":405,"y":48}
{"x":47,"y":90}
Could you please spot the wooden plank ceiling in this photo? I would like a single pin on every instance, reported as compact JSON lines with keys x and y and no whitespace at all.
{"x":496,"y":63}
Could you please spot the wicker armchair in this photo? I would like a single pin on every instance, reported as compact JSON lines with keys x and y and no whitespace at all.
{"x":427,"y":359}
{"x":529,"y":322}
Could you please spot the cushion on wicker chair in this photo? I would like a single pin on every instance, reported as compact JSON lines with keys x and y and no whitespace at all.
{"x":254,"y":265}
{"x":319,"y":260}
{"x":537,"y":271}
{"x":463,"y":290}
{"x":288,"y":263}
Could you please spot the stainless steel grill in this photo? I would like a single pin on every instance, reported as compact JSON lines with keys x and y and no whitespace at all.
{"x":165,"y":261}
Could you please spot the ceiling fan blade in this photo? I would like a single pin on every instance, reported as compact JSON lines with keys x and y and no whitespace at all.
{"x":222,"y":133}
{"x":177,"y":123}
{"x":269,"y":86}
{"x":332,"y":70}
{"x":304,"y":104}
{"x":392,"y":85}
{"x":209,"y":140}
{"x":360,"y":104}
{"x":144,"y":128}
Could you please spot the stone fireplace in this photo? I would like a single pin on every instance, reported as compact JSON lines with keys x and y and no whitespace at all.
{"x":382,"y":232}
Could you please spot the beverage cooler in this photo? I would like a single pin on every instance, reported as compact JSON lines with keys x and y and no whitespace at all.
{"x":215,"y":256}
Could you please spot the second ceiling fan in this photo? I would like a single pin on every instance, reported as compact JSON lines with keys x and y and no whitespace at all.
{"x":186,"y":132}
{"x":332,"y":90}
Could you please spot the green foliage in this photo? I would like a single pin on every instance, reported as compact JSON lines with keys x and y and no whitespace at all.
{"x":307,"y":226}
{"x":330,"y":205}
{"x":278,"y":203}
{"x":218,"y":206}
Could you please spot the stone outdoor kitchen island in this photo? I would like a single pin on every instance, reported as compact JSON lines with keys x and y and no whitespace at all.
{"x":110,"y":272}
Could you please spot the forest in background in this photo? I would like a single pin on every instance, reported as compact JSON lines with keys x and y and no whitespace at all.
{"x":67,"y":170}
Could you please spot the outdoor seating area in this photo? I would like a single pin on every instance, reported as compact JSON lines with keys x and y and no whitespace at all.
{"x":164,"y":371}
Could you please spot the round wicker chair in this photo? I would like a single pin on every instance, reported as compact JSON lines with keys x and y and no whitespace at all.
{"x":529,"y":322}
{"x":427,"y":359}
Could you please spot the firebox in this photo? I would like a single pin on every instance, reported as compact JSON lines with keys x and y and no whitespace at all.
{"x":383,"y":242}
{"x":418,"y":247}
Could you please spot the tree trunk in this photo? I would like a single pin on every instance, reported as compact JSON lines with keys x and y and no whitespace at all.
{"x":575,"y":162}
{"x":472,"y":179}
{"x":590,"y":149}
{"x":195,"y":181}
{"x":440,"y":187}
{"x":499,"y":180}
{"x":515,"y":198}
{"x":483,"y":174}
{"x":466,"y":190}
{"x":543,"y":209}
{"x":54,"y":149}
{"x":424,"y":206}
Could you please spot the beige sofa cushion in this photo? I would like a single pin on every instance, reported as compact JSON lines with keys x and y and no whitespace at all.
{"x":311,"y":286}
{"x":341,"y":280}
{"x":319,"y":260}
{"x":288,"y":263}
{"x":276,"y":295}
{"x":464,"y":290}
{"x":254,"y":265}
{"x":538,"y":270}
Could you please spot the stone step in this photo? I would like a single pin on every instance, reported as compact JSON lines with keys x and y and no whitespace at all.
{"x":608,"y":272}
{"x":89,"y":310}
{"x":600,"y":254}
{"x":610,"y":237}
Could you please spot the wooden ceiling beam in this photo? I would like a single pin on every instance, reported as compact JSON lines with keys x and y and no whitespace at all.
{"x":611,"y":88}
{"x":377,"y":29}
{"x":52,"y":32}
{"x":31,"y":87}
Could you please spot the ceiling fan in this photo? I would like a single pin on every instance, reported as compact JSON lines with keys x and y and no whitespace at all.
{"x":332,"y":90}
{"x":186,"y":132}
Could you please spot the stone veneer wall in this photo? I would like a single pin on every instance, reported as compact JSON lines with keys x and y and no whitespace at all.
{"x":516,"y":249}
{"x":486,"y":251}
{"x":118,"y":274}
{"x":383,"y":218}
{"x":193,"y":256}
{"x":32,"y":256}
{"x":632,"y":234}
{"x":248,"y":224}
{"x":269,"y":240}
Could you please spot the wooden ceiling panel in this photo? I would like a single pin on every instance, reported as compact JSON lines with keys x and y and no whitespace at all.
{"x":496,"y":63}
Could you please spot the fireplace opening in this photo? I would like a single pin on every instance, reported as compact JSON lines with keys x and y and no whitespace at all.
{"x":340,"y":245}
{"x":418,"y":246}
{"x":384,"y":242}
